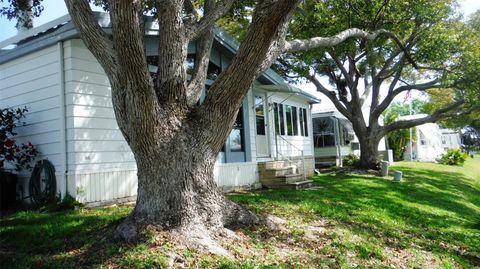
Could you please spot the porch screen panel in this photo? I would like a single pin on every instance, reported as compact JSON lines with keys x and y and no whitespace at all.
{"x":276,"y":118}
{"x":305,"y":125}
{"x":260,"y":115}
{"x":294,"y":120}
{"x":281,"y":118}
{"x":288,"y":115}
{"x":301,"y":121}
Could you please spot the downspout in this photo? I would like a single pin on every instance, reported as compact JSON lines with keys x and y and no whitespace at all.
{"x":336,"y":130}
{"x":63,"y":122}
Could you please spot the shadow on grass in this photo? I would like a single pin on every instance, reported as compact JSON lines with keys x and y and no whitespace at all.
{"x":60,"y":240}
{"x":435,"y":210}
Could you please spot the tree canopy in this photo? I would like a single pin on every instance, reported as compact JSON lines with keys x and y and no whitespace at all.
{"x":423,"y":46}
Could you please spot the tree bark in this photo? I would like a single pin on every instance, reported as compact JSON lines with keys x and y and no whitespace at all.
{"x":369,"y":151}
{"x":176,"y":191}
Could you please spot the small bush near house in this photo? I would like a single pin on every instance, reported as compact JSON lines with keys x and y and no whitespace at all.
{"x":350,"y":160}
{"x":453,"y":157}
{"x":67,"y":203}
{"x":18,"y":155}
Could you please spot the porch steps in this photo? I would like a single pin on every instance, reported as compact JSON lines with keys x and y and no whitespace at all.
{"x":282,"y":175}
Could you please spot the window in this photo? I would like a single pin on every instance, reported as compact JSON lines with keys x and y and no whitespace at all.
{"x":301,"y":122}
{"x":323,"y":132}
{"x":213,"y":71}
{"x":260,"y":115}
{"x":423,"y":139}
{"x":305,"y":122}
{"x":236,"y":137}
{"x":281,"y":119}
{"x":294,"y":120}
{"x":291,"y":118}
{"x":288,"y":116}
{"x":276,"y":118}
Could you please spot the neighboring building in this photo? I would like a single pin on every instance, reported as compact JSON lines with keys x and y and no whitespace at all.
{"x":451,"y":139}
{"x":71,"y":118}
{"x":334,"y":138}
{"x":427,"y":145}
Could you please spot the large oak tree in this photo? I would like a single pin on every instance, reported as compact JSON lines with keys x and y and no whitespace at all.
{"x":431,"y":49}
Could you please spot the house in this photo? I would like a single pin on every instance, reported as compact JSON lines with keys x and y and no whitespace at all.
{"x":426,"y":142}
{"x":72,"y":121}
{"x":334,"y":138}
{"x":451,"y":139}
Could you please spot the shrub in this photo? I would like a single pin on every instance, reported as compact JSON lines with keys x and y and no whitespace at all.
{"x":351,"y":160}
{"x":453,"y":157}
{"x":19,"y":155}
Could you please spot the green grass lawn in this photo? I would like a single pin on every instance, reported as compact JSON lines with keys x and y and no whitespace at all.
{"x":429,"y":220}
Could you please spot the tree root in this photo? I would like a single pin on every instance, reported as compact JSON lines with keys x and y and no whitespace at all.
{"x":195,"y":234}
{"x":126,"y":231}
{"x":236,"y":216}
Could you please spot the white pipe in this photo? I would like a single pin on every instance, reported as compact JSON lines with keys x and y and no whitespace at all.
{"x":63,"y":121}
{"x":336,"y":131}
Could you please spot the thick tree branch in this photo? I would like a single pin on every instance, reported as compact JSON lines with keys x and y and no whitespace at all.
{"x":332,"y":96}
{"x":341,"y":66}
{"x":439,"y":114}
{"x":316,"y":42}
{"x":393,"y":93}
{"x":95,"y":39}
{"x":170,"y":85}
{"x":202,"y":59}
{"x":128,"y":38}
{"x":196,"y":29}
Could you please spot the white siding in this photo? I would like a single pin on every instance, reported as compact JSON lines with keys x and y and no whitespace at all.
{"x":236,"y":175}
{"x":94,"y":141}
{"x":104,"y":185}
{"x":34,"y":81}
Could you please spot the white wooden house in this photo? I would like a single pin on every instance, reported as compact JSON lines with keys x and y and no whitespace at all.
{"x":426,"y":143}
{"x":71,"y":119}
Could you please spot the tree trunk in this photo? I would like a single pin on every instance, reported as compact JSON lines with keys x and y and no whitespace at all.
{"x":369,"y":150}
{"x":176,"y":192}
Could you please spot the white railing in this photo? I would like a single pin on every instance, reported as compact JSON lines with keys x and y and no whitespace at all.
{"x":278,"y":152}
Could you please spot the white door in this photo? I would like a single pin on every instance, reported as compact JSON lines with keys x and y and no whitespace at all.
{"x":262,"y":141}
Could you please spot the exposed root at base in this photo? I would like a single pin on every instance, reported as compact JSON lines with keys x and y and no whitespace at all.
{"x":199,"y":237}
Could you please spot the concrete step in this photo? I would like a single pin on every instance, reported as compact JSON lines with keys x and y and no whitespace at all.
{"x":292,"y":178}
{"x":294,"y":185}
{"x":288,"y":170}
{"x":273,"y":182}
{"x":301,"y":184}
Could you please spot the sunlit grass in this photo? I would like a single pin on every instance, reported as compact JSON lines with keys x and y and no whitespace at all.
{"x":430,"y":219}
